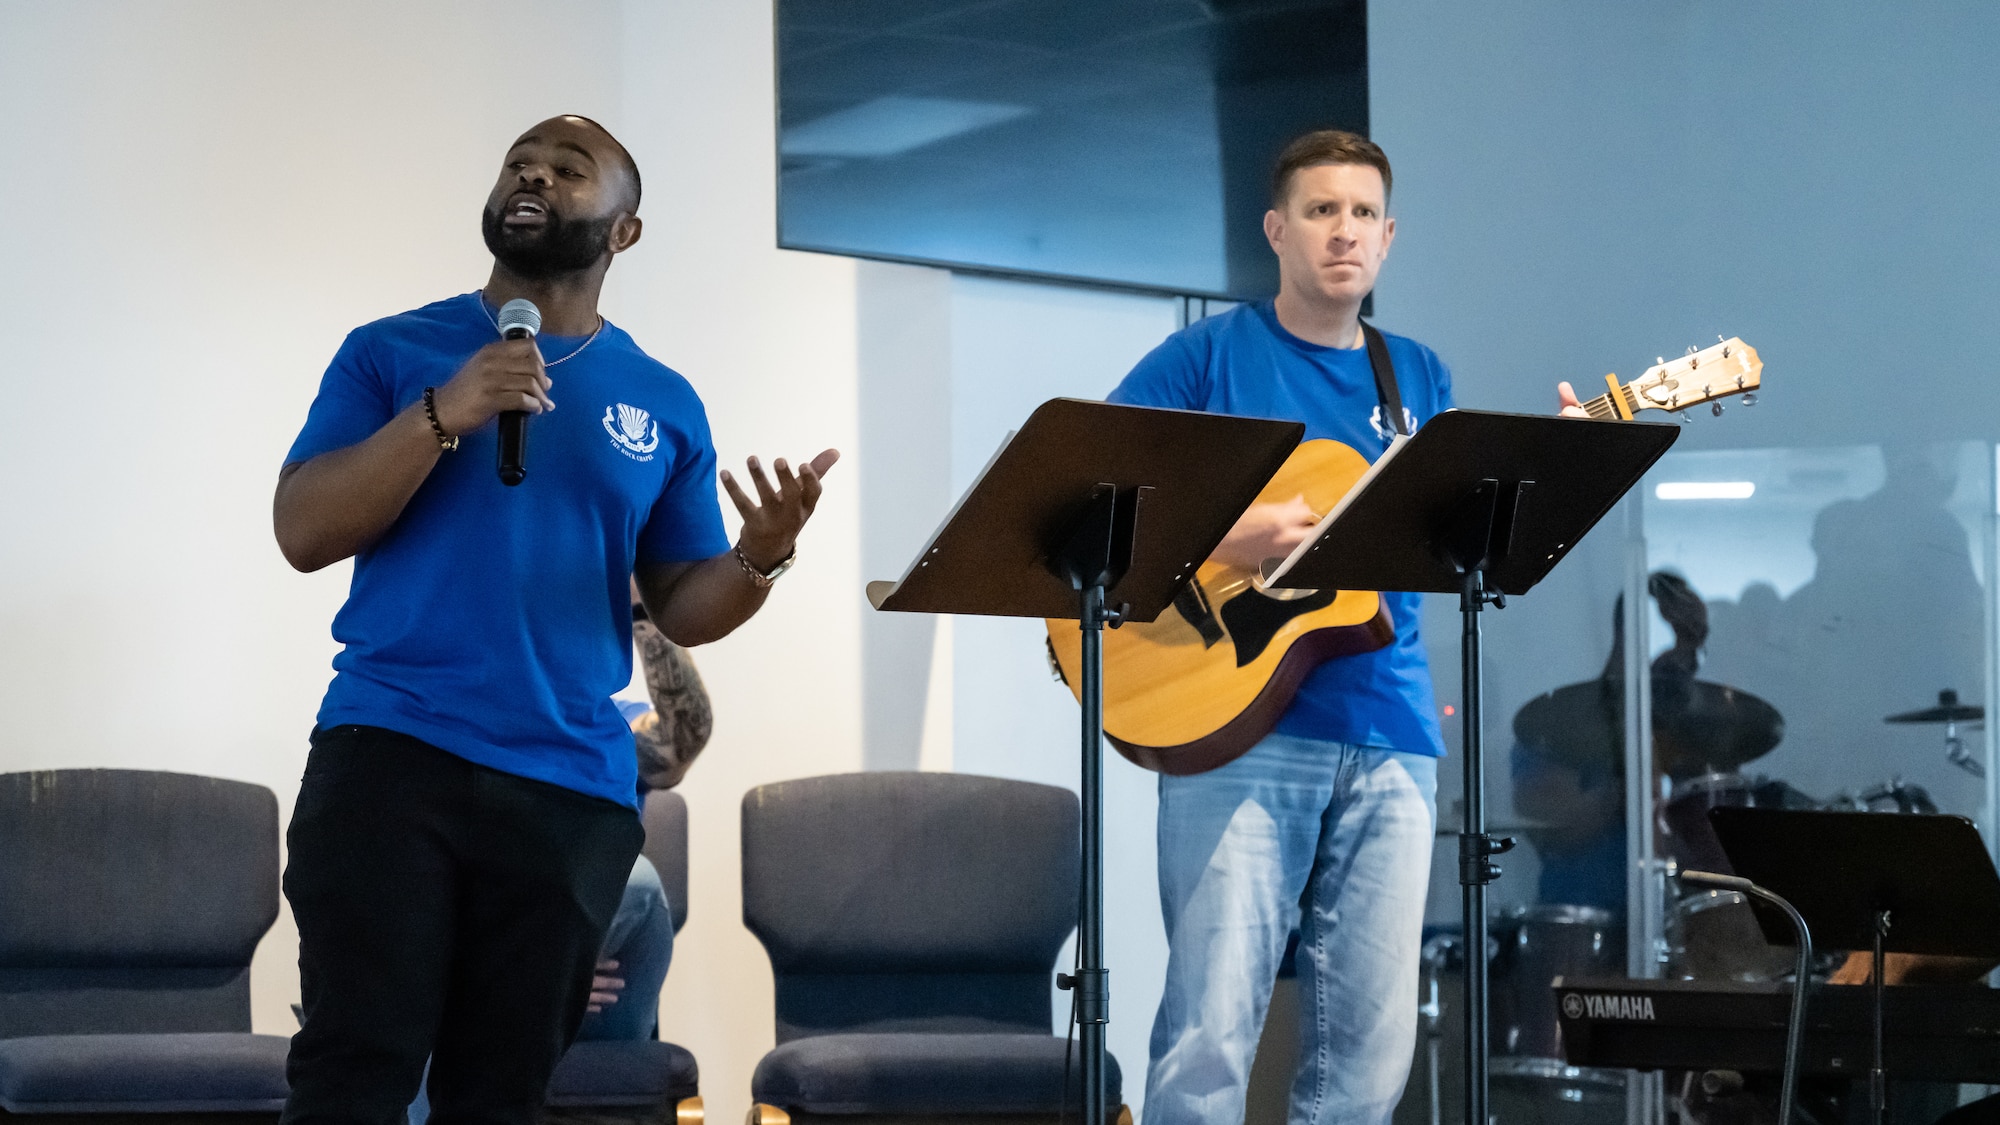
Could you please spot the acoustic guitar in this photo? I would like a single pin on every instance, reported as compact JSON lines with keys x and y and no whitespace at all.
{"x":1200,"y":685}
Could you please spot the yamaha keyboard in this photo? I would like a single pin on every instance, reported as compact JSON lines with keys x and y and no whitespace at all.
{"x":1947,"y":1033}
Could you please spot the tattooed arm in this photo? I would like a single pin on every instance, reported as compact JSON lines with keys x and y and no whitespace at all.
{"x":677,"y":728}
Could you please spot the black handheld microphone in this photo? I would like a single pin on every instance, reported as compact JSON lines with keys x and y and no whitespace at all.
{"x":519,"y":320}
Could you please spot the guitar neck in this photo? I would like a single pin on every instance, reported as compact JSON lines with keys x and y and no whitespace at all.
{"x":1730,"y":367}
{"x":1605,"y":408}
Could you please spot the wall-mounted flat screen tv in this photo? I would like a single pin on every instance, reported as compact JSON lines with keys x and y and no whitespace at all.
{"x":1117,"y":142}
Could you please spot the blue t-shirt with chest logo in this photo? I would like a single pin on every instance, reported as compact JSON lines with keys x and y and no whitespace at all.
{"x":495,"y":622}
{"x":1244,"y":362}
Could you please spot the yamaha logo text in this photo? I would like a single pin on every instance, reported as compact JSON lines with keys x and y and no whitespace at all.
{"x":1607,"y":1007}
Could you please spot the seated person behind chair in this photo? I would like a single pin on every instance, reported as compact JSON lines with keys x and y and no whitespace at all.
{"x":667,"y":734}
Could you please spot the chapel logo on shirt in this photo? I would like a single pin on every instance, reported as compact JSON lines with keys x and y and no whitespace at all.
{"x":635,"y":432}
{"x":1383,"y":431}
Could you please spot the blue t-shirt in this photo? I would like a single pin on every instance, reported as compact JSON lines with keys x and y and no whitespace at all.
{"x":495,"y":622}
{"x":1243,"y":362}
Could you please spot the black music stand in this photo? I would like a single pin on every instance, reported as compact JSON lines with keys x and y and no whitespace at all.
{"x":1052,"y":529}
{"x":1481,"y":505}
{"x":1886,"y":883}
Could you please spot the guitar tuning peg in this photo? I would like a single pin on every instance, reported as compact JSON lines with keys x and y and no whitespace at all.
{"x":1750,"y":399}
{"x":1692,"y":349}
{"x":1683,"y":416}
{"x":1660,"y":359}
{"x":1719,"y":339}
{"x":1715,"y":409}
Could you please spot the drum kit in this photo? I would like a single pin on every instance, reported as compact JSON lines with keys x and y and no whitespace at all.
{"x":1704,"y":734}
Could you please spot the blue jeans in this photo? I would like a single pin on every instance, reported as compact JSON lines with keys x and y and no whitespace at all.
{"x":1331,"y":838}
{"x":641,"y":940}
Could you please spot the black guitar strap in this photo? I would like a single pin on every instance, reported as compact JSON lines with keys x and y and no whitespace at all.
{"x":1385,"y":378}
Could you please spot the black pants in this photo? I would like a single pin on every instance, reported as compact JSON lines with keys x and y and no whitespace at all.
{"x":445,"y":910}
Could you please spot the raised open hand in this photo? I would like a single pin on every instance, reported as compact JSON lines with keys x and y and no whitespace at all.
{"x":771,"y":523}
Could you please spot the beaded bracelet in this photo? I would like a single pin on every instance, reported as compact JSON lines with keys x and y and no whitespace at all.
{"x":446,"y":442}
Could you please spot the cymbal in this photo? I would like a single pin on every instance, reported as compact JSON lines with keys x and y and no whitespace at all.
{"x":1577,"y":724}
{"x":1948,"y":710}
{"x":1717,"y":726}
{"x":1697,"y":725}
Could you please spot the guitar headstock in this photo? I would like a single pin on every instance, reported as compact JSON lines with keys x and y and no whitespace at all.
{"x":1715,"y":372}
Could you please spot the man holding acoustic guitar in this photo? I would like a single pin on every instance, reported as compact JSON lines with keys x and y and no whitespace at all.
{"x":1325,"y":822}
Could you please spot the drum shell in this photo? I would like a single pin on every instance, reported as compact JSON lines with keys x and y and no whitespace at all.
{"x":1690,"y":839}
{"x":1537,"y":1091}
{"x":1714,"y":935}
{"x":1536,"y":944}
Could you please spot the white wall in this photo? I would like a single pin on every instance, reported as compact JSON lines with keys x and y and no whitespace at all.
{"x":1013,"y":347}
{"x":203,"y":198}
{"x":904,"y":354}
{"x":770,"y":339}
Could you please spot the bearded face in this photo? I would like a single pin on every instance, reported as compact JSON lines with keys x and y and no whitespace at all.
{"x":552,"y":246}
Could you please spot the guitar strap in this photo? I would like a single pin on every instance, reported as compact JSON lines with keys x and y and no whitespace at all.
{"x":1385,"y":378}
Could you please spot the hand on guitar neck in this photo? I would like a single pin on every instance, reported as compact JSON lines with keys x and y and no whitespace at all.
{"x":1266,"y":531}
{"x":1567,"y":404}
{"x":1708,"y":375}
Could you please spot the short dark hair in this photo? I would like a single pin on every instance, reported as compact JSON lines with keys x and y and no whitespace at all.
{"x":1326,"y":146}
{"x":631,"y":165}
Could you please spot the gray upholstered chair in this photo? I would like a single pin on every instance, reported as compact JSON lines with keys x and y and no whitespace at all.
{"x":666,"y":819}
{"x":130,"y":904}
{"x":913,"y":922}
{"x":609,"y":1078}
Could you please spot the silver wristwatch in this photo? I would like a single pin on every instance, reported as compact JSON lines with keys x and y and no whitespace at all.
{"x":764,"y":578}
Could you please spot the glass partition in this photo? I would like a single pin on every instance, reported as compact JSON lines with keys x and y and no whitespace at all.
{"x":1817,"y":637}
{"x":1842,"y":586}
{"x":1801,"y":627}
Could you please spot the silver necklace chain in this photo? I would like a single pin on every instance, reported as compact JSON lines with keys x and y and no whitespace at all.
{"x":480,"y":296}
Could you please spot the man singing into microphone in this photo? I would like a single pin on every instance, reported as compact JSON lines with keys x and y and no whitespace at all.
{"x":466,"y":821}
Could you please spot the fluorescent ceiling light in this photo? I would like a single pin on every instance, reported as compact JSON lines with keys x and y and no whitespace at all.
{"x":1704,"y":490}
{"x":892,"y":126}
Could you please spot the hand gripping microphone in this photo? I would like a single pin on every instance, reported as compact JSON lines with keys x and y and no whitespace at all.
{"x":519,"y":320}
